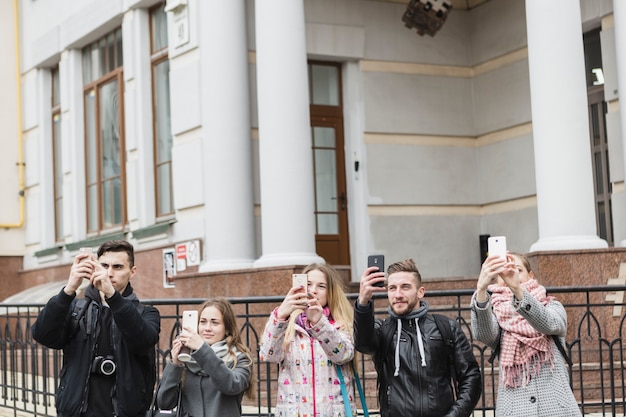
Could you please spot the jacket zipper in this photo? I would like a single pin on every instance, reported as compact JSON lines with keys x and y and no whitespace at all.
{"x":313,"y":375}
{"x":90,"y":336}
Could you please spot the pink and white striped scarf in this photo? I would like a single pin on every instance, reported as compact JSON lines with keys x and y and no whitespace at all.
{"x":523,"y":350}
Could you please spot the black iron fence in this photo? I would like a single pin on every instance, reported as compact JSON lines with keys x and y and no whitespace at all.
{"x":29,"y":372}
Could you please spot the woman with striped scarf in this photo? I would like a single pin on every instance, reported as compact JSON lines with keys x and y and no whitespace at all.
{"x":512,"y":314}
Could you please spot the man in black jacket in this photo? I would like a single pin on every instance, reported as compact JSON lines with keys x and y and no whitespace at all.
{"x":108,"y":338}
{"x":411,"y":355}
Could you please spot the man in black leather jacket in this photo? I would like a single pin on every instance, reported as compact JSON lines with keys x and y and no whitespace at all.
{"x":108,"y":338}
{"x":410,"y":353}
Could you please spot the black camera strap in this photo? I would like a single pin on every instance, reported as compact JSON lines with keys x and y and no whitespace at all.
{"x":105,"y":339}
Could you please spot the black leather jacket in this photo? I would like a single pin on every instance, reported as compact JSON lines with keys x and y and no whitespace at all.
{"x":135,"y":334}
{"x":418,"y":391}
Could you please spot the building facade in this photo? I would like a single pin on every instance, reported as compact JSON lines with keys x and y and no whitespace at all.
{"x":233,"y":135}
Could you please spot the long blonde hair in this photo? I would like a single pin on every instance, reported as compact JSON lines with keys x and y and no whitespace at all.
{"x":233,"y":337}
{"x":340,"y":308}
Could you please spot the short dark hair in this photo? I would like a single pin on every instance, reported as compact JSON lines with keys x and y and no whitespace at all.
{"x":408,"y":265}
{"x":118,"y":246}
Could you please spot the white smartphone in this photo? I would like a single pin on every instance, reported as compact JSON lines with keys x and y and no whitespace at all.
{"x":496,"y":245}
{"x":300,"y":280}
{"x":190,"y":319}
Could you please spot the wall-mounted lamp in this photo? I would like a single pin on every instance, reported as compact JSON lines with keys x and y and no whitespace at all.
{"x":427,"y":16}
{"x":599,"y":76}
{"x":175,"y":5}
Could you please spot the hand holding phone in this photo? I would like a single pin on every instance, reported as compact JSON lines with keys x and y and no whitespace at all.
{"x":496,"y":245}
{"x":379,"y":262}
{"x":300,"y":280}
{"x":86,"y":251}
{"x":190,"y":320}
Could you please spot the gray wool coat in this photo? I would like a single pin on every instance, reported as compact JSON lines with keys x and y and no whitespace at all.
{"x":549,"y":394}
{"x":216,"y":395}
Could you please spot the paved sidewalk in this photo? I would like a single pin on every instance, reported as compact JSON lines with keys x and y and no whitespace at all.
{"x":7,"y":412}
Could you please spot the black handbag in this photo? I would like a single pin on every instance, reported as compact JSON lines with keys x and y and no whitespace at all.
{"x":155,"y":411}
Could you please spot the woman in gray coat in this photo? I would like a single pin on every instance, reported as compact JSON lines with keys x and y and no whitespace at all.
{"x":214,"y":381}
{"x":511,"y":309}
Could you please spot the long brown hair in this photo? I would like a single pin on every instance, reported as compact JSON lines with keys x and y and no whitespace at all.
{"x":340,"y":308}
{"x":233,"y":337}
{"x":524,"y":260}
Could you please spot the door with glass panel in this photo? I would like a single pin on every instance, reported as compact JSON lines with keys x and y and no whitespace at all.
{"x":331,"y":199}
{"x":600,"y":162}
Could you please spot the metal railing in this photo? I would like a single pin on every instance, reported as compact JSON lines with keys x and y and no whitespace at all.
{"x":29,"y":372}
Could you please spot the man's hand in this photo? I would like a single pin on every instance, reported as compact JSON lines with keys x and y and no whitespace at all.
{"x":366,"y":289}
{"x":101,"y":280}
{"x":82,"y":268}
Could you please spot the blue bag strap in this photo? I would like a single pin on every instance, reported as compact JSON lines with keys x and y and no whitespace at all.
{"x":360,"y":388}
{"x":344,"y":392}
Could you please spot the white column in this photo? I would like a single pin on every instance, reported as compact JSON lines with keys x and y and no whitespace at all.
{"x":286,"y":166}
{"x":565,"y":195}
{"x":73,"y":144}
{"x":229,"y":208}
{"x":47,"y":211}
{"x":619,"y":15}
{"x":138,"y":119}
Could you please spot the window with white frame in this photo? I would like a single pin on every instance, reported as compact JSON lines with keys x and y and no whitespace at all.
{"x":161,"y":112}
{"x":57,"y":166}
{"x":104,"y":133}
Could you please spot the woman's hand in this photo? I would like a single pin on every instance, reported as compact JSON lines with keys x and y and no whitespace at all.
{"x":489,"y":272}
{"x":510,"y":276}
{"x":315,"y":311}
{"x":296,"y":299}
{"x":176,"y":346}
{"x":191,"y":339}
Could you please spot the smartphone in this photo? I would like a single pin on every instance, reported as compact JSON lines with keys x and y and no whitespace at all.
{"x":86,"y":251}
{"x":300,"y":280}
{"x":190,"y":319}
{"x":379,"y":262}
{"x":496,"y":245}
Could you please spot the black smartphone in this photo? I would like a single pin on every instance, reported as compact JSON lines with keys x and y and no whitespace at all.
{"x":379,"y":262}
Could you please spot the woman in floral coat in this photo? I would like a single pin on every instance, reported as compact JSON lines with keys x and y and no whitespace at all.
{"x":308,"y":335}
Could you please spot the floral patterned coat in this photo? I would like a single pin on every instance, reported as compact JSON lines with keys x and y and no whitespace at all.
{"x":308,"y":384}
